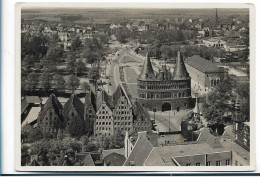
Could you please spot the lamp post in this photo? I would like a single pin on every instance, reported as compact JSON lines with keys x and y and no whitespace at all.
{"x":154,"y":110}
{"x":169,"y":122}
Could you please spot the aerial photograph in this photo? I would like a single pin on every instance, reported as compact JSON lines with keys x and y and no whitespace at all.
{"x":134,"y":87}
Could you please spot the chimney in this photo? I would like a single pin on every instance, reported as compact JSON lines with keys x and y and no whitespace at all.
{"x":142,"y":134}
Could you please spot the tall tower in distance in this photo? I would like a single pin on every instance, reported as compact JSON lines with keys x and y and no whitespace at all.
{"x":216,"y":16}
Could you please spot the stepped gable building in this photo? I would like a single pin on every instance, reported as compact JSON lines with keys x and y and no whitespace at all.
{"x":90,"y":111}
{"x":166,"y":90}
{"x":123,"y":114}
{"x":104,"y":123}
{"x":142,"y":121}
{"x":73,"y":111}
{"x":50,"y":113}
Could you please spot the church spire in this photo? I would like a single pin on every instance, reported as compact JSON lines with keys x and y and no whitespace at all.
{"x":180,"y":71}
{"x":147,"y":72}
{"x":216,"y":17}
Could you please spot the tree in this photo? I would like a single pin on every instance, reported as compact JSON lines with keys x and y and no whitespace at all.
{"x":45,"y":81}
{"x":59,"y":82}
{"x":85,"y":86}
{"x":90,"y":147}
{"x":34,"y":135}
{"x":77,"y":128}
{"x":32,"y":81}
{"x":70,"y":65}
{"x":55,"y":52}
{"x":80,"y":67}
{"x":218,"y":102}
{"x":244,"y":93}
{"x":38,"y":46}
{"x":76,"y":44}
{"x":27,"y":61}
{"x":94,"y":75}
{"x":72,"y":83}
{"x":25,"y":157}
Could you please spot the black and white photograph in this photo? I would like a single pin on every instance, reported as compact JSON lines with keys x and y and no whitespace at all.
{"x":134,"y":86}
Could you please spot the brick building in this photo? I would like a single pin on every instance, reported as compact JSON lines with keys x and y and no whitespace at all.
{"x":206,"y":71}
{"x":50,"y":115}
{"x":122,"y":113}
{"x":90,"y":112}
{"x":104,"y":123}
{"x":73,"y":111}
{"x":166,"y":90}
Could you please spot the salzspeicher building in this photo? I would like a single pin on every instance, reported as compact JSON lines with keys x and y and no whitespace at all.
{"x":165,"y":90}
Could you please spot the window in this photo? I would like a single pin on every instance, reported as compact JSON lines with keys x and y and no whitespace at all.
{"x":218,"y":163}
{"x":197,"y":164}
{"x":227,"y":162}
{"x":208,"y":163}
{"x":188,"y":164}
{"x":236,"y":163}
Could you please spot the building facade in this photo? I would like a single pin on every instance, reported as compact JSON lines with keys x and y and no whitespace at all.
{"x":90,"y":112}
{"x":123,"y":115}
{"x":166,"y":90}
{"x":104,"y":123}
{"x":203,"y":71}
{"x":73,"y":112}
{"x":50,"y":115}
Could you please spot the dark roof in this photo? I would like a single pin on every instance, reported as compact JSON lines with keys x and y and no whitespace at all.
{"x":180,"y":71}
{"x":52,"y":102}
{"x":140,"y":153}
{"x":88,"y":160}
{"x":34,"y":163}
{"x":147,"y":70}
{"x":202,"y":64}
{"x":74,"y":102}
{"x":139,"y":112}
{"x":90,"y":99}
{"x":117,"y":95}
{"x":102,"y":96}
{"x":206,"y":136}
{"x":114,"y":159}
{"x":29,"y":100}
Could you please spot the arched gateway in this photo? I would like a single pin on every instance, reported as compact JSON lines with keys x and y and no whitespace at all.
{"x":166,"y":107}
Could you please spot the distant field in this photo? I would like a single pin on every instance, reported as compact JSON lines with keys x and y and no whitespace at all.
{"x":130,"y":75}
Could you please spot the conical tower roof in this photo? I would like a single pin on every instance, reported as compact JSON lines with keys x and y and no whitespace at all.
{"x":180,"y":71}
{"x":147,"y":72}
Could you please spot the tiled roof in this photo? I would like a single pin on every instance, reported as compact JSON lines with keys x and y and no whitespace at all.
{"x":90,"y":99}
{"x":202,"y":64}
{"x":228,"y":133}
{"x":52,"y":102}
{"x":74,"y":102}
{"x":114,"y":159}
{"x":139,"y":112}
{"x":117,"y":95}
{"x":88,"y":160}
{"x":180,"y":71}
{"x":167,"y":152}
{"x":206,"y":136}
{"x":110,"y":151}
{"x":141,"y":151}
{"x":147,"y":72}
{"x":29,"y":99}
{"x":102,"y":96}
